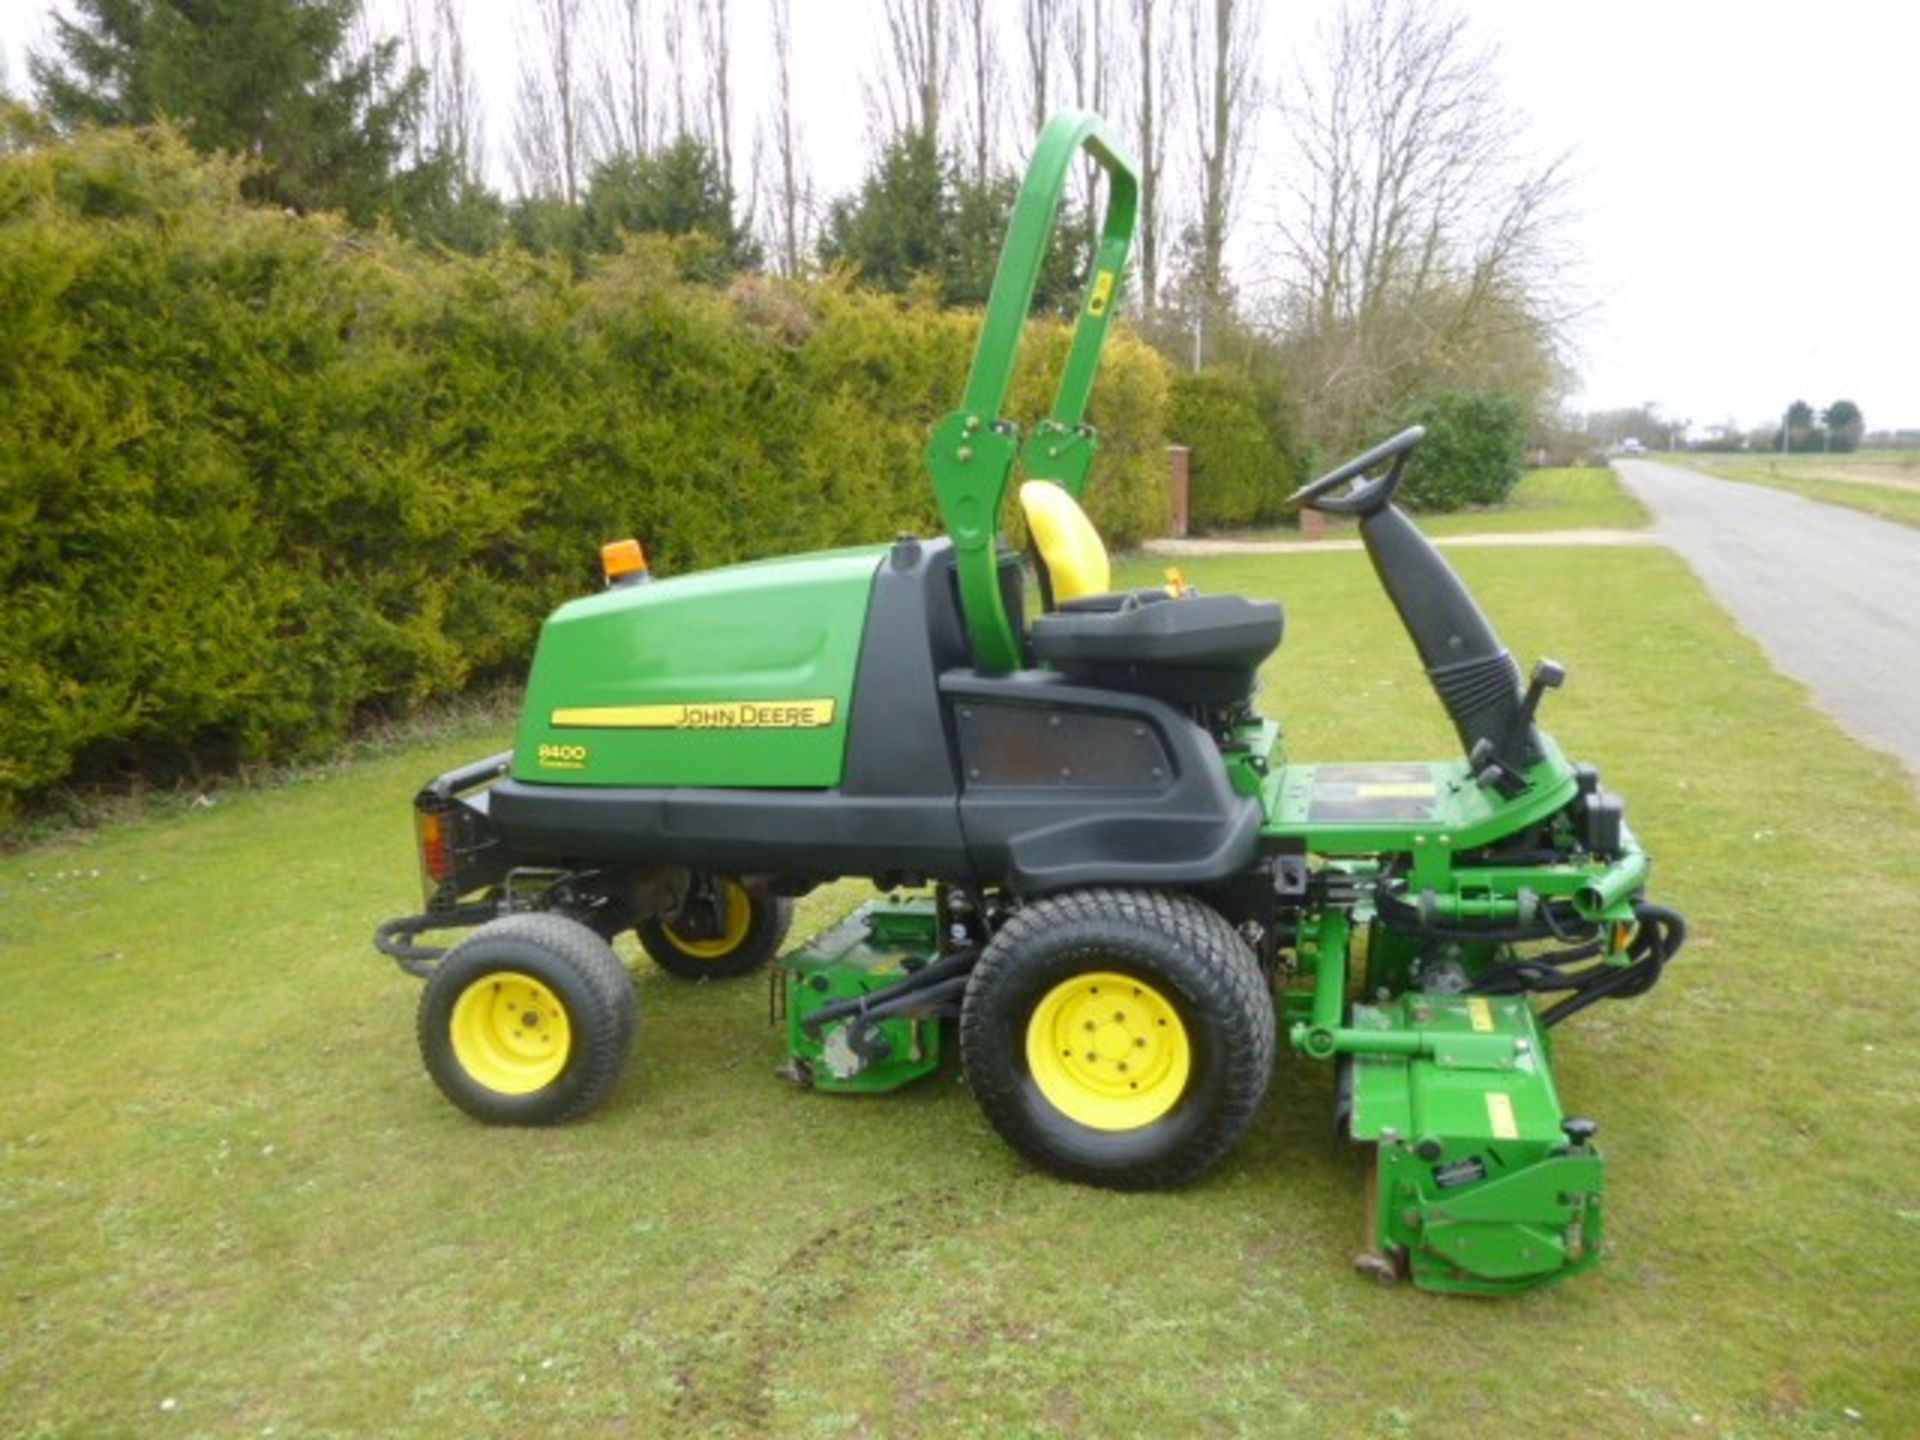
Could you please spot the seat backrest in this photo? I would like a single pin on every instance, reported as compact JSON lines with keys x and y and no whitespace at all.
{"x":1070,"y":548}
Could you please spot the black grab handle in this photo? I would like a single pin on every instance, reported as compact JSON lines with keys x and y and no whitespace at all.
{"x":1374,"y":495}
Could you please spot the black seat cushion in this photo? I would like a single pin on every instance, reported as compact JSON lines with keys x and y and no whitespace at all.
{"x":1194,"y":650}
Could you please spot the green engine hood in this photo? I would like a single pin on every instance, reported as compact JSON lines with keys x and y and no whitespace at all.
{"x":740,"y":676}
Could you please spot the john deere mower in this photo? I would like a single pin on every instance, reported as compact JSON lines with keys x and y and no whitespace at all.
{"x":1100,"y":871}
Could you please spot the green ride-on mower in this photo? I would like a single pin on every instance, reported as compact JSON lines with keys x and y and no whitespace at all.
{"x":1103,"y":872}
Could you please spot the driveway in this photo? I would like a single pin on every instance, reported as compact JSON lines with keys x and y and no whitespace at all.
{"x":1832,"y":595}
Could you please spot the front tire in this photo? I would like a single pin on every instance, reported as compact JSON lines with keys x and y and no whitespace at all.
{"x":723,"y":929}
{"x":1122,"y":1038}
{"x":527,"y":1021}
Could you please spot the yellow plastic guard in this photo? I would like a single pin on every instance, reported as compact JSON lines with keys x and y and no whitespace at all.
{"x":1069,"y":546}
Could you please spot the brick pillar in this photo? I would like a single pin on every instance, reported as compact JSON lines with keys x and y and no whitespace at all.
{"x":1313,"y":525}
{"x":1180,"y":487}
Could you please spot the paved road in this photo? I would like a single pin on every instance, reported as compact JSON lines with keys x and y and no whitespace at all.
{"x":1831,"y":594}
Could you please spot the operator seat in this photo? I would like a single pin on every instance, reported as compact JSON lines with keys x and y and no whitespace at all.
{"x":1193,"y":650}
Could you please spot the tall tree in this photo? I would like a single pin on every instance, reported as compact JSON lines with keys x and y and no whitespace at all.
{"x":1222,"y":38}
{"x":1039,"y":24}
{"x":276,"y":81}
{"x":1845,"y":425}
{"x":792,"y":190}
{"x":716,"y":60}
{"x":1153,"y":97}
{"x":1410,"y":183}
{"x":551,"y":151}
{"x":1086,"y":34}
{"x":677,"y":189}
{"x":446,"y":200}
{"x":623,"y":100}
{"x":983,"y":84}
{"x":917,"y":218}
{"x":918,"y":61}
{"x":899,"y":224}
{"x":1419,"y":241}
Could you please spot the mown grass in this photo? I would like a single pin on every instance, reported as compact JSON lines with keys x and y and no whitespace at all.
{"x":227,"y":1188}
{"x":1580,"y":498}
{"x":1847,"y":480}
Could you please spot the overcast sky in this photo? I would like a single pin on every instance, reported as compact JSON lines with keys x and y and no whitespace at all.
{"x":1745,"y":184}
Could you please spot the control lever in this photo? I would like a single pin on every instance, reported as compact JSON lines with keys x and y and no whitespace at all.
{"x":1547,"y":675}
{"x":1487,"y":770}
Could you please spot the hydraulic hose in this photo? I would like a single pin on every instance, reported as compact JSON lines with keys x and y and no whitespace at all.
{"x":1661,"y":934}
{"x":940,"y":975}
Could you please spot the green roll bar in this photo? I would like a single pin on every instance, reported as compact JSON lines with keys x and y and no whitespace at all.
{"x":973,"y":450}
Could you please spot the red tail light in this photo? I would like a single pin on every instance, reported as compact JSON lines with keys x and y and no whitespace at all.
{"x":436,"y":847}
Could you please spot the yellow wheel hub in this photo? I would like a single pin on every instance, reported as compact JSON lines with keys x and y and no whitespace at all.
{"x":736,"y":911}
{"x":1108,"y":1051}
{"x":510,"y":1033}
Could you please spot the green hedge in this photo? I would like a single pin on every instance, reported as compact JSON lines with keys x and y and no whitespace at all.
{"x":1244,"y":461}
{"x":261,"y":476}
{"x":1476,"y":441}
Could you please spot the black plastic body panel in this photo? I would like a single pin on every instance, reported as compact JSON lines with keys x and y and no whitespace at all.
{"x":1144,"y":800}
{"x":1187,"y":827}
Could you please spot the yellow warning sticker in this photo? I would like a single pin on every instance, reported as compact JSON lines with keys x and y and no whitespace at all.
{"x":1480,"y":1013}
{"x":1399,"y":790}
{"x":1500,"y":1115}
{"x":702,"y":715}
{"x":1101,"y":294}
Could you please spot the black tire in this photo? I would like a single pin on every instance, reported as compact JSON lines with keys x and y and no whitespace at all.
{"x":1193,"y":961}
{"x":767,"y":920}
{"x":572,"y":968}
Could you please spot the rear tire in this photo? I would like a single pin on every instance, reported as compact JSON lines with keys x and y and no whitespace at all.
{"x":527,"y":1021}
{"x":1122,"y":1038}
{"x":726,"y":930}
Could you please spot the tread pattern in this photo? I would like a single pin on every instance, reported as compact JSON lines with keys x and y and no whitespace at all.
{"x":602,"y":1008}
{"x":1196,"y":946}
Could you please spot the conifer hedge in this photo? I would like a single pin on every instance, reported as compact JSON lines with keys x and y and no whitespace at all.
{"x":1245,"y":461}
{"x":262,"y":476}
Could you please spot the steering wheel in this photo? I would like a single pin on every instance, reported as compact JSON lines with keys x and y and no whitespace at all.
{"x":1374,"y":494}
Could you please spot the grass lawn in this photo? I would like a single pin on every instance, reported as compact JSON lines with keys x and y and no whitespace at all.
{"x":1880,"y":482}
{"x":1572,"y":499}
{"x":234,"y":1204}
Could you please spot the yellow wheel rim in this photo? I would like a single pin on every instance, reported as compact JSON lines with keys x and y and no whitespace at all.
{"x":1108,"y":1051}
{"x":737,"y":920}
{"x":510,"y":1033}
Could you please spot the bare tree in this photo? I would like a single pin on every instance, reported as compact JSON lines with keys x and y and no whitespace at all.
{"x":1153,"y":96}
{"x":1039,"y":25}
{"x":918,"y":60}
{"x":716,"y":61}
{"x":1085,"y":31}
{"x":1418,"y":242}
{"x":452,"y":125}
{"x":983,"y":77}
{"x":1409,"y":181}
{"x":550,"y":142}
{"x":792,"y":188}
{"x":675,"y":36}
{"x":623,"y":98}
{"x":1222,"y":37}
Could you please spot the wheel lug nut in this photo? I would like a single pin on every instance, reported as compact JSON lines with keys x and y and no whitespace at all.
{"x":1122,"y":1064}
{"x":1141,"y":1041}
{"x":1092,"y":1058}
